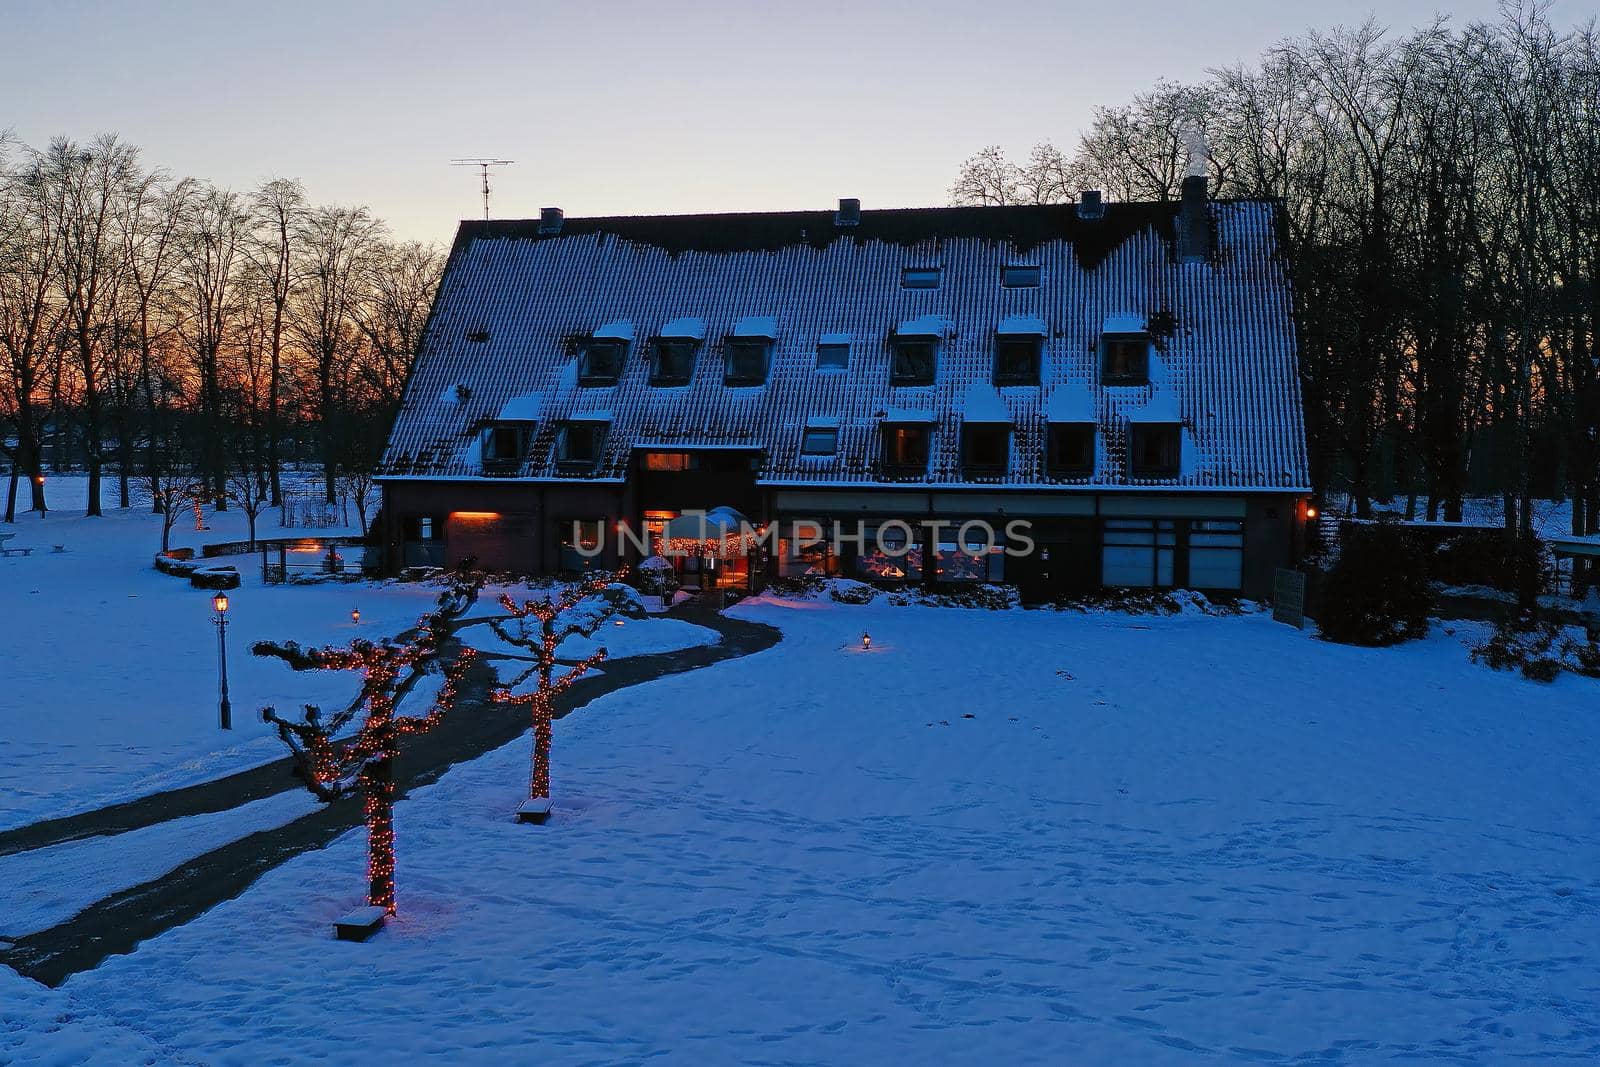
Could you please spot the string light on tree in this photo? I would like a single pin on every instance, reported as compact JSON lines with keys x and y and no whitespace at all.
{"x":333,"y":766}
{"x":541,"y":626}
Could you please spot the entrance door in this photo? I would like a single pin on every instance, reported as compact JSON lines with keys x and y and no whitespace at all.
{"x":1064,"y":562}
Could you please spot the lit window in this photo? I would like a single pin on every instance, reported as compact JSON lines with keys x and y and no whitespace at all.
{"x":914,"y":361}
{"x":832,"y":355}
{"x":888,"y":555}
{"x":919,"y":278}
{"x":985,"y":449}
{"x":746,"y":360}
{"x":1125,"y":359}
{"x":580,"y":543}
{"x":674,"y":361}
{"x":1019,"y":277}
{"x":820,"y":441}
{"x":1154,"y":450}
{"x":1016,"y":359}
{"x":905,"y":449}
{"x":668,"y":461}
{"x":1070,"y":450}
{"x":1216,"y":554}
{"x":1138,"y":552}
{"x":602,"y":361}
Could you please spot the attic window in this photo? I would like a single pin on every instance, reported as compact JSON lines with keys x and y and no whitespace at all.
{"x":919,"y":278}
{"x":833,"y":352}
{"x":477,"y":337}
{"x":1016,"y":359}
{"x":915,"y":358}
{"x":580,"y":445}
{"x":1070,"y":450}
{"x":1125,"y":359}
{"x":905,"y":449}
{"x":985,"y":448}
{"x":820,"y":441}
{"x":674,"y":361}
{"x":602,"y":361}
{"x":746,"y":360}
{"x":1019,"y":277}
{"x":1154,"y":449}
{"x":505,"y":443}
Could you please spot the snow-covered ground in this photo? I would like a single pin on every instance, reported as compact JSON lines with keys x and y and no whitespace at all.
{"x":1021,"y":837}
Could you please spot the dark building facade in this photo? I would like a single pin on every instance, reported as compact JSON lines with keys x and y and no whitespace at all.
{"x":1118,"y":379}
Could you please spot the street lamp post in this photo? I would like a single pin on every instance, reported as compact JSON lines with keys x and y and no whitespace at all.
{"x":224,"y":708}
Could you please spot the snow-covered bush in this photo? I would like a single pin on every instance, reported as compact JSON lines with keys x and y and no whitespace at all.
{"x":657,"y":577}
{"x":849,"y":591}
{"x":1378,"y":592}
{"x":1540,"y":649}
{"x":624,"y":600}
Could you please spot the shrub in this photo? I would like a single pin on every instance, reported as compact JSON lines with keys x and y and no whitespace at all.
{"x":1486,"y":558}
{"x":1378,"y":592}
{"x":850,"y":591}
{"x":656,"y":577}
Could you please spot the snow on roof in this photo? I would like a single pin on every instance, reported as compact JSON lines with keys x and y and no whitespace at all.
{"x":521,"y":408}
{"x":1070,"y":402}
{"x":688,"y":328}
{"x":619,"y":330}
{"x":1228,"y":372}
{"x":834,"y":339}
{"x":1161,"y":407}
{"x":983,"y":404}
{"x":591,"y":416}
{"x":924,"y":326}
{"x":757,"y":326}
{"x":822,"y":422}
{"x":1014,"y":325}
{"x":1123,"y":323}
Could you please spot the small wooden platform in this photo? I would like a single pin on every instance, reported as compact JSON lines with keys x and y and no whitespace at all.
{"x":360,"y":923}
{"x":534,"y":810}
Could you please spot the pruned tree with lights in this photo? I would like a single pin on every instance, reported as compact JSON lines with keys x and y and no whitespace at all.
{"x":334,"y":766}
{"x":539,"y":626}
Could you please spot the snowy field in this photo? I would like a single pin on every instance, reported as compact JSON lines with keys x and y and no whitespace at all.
{"x":1017,"y":837}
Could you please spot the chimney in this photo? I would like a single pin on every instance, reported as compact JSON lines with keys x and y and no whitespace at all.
{"x":1090,"y":205}
{"x":1194,"y":222}
{"x":550,"y":219}
{"x":849,"y":213}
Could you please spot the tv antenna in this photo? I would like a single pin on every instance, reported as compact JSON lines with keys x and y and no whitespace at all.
{"x":483,"y":165}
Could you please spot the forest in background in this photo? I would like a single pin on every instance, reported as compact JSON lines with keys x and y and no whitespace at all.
{"x":191,"y":339}
{"x":1442,"y":221}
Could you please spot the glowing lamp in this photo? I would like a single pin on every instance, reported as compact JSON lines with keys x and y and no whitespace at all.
{"x":1311,"y":512}
{"x":220,"y":602}
{"x":866,"y":641}
{"x":619,"y":622}
{"x":39,"y":479}
{"x":355,"y":615}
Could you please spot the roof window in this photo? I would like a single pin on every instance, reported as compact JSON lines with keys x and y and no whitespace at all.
{"x":919,"y":278}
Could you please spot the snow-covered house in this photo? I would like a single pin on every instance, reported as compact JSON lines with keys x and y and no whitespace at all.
{"x":1120,"y":376}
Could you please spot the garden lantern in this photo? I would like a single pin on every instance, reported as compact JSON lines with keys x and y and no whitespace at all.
{"x":224,"y":707}
{"x":866,"y":642}
{"x":355,"y":616}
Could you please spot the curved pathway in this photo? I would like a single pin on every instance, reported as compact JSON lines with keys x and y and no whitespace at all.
{"x":120,"y":921}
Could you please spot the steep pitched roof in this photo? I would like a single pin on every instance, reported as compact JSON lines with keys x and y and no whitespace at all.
{"x":1224,"y":332}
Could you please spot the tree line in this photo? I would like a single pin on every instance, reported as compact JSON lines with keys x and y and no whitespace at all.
{"x":1441,"y":195}
{"x":175,"y":332}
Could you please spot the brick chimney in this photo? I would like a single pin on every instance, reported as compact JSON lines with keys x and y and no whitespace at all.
{"x":1194,"y":222}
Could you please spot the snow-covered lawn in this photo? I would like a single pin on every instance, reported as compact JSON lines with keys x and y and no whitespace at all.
{"x":1014,"y":837}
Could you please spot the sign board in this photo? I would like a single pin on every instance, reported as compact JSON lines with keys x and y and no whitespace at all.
{"x":1289,"y":597}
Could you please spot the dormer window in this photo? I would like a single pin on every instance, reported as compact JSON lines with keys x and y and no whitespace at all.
{"x":747,"y":359}
{"x":1069,"y":451}
{"x":1018,"y":276}
{"x":985,"y":448}
{"x":1124,"y":351}
{"x":919,"y":278}
{"x":674,"y":361}
{"x":905,"y":449}
{"x":506,"y":443}
{"x":915,"y":358}
{"x":579,"y":448}
{"x":602,"y":361}
{"x":1155,"y":449}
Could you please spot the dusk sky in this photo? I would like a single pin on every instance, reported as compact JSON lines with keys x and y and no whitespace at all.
{"x":614,"y":108}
